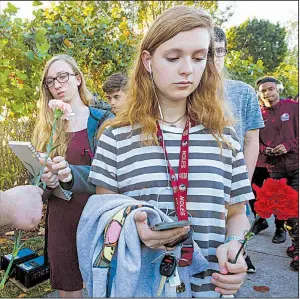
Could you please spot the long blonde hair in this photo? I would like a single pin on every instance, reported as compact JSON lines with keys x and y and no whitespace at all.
{"x":205,"y":105}
{"x":43,"y":126}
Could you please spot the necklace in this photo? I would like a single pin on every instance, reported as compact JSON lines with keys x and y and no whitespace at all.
{"x":173,"y":122}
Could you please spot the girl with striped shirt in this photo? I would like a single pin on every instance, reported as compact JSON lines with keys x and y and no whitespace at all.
{"x":175,"y":85}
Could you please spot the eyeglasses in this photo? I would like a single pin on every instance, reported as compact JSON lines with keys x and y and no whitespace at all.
{"x":61,"y":78}
{"x":220,"y":52}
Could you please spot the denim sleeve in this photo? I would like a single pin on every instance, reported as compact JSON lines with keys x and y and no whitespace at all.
{"x":79,"y":184}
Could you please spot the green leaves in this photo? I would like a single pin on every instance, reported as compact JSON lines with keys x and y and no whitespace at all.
{"x":43,"y":49}
{"x":259,"y":39}
{"x":243,"y":69}
{"x":30,"y":55}
{"x":11,"y":8}
{"x":18,"y":21}
{"x":5,"y":62}
{"x":21,"y":75}
{"x":3,"y":41}
{"x":37,"y":3}
{"x":58,"y":113}
{"x":40,"y":34}
{"x":104,"y":20}
{"x":102,"y":37}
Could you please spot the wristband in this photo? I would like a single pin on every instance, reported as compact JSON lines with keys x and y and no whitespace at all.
{"x":240,"y":240}
{"x":234,"y":238}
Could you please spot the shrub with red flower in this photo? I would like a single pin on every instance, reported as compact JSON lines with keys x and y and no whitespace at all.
{"x":275,"y":197}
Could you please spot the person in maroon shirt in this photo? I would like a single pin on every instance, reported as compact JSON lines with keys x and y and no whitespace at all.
{"x":75,"y":139}
{"x":279,"y":142}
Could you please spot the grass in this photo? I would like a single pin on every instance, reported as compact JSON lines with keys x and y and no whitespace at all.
{"x":11,"y":290}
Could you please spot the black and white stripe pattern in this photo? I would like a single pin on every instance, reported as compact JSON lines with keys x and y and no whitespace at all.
{"x":124,"y":165}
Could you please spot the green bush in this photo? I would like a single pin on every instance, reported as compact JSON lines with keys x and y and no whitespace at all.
{"x":12,"y":171}
{"x":101,"y":45}
{"x":101,"y":35}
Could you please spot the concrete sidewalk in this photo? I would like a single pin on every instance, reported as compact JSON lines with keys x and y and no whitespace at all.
{"x":272,"y":268}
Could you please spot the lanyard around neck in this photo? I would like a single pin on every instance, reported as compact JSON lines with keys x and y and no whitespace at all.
{"x":180,"y":185}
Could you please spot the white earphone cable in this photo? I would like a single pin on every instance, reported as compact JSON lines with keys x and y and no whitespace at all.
{"x":162,"y":117}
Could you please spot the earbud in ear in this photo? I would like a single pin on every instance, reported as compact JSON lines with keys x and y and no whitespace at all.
{"x":149,"y":65}
{"x":280,"y":87}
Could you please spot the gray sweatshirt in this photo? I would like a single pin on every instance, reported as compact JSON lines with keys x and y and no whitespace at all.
{"x":134,"y":275}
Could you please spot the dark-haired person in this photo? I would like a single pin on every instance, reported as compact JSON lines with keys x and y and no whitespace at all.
{"x":114,"y":88}
{"x":244,"y":104}
{"x":279,"y":142}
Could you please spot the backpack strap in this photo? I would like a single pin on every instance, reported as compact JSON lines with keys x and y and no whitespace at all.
{"x":112,"y":233}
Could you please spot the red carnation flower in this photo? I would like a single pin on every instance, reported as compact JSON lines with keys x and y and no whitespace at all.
{"x":276,"y":197}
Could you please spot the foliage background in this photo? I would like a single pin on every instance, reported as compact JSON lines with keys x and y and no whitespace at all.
{"x":259,"y":47}
{"x":103,"y":36}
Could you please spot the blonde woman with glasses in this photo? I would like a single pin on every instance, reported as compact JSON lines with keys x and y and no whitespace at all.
{"x":75,"y":140}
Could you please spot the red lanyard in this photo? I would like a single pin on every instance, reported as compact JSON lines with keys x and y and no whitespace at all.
{"x":180,"y":185}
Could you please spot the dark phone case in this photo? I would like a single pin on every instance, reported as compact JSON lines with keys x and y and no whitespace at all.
{"x":170,"y":225}
{"x":181,"y":239}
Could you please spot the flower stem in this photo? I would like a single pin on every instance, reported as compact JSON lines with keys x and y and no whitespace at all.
{"x":247,"y":237}
{"x":241,"y":248}
{"x":49,"y":149}
{"x":14,"y":254}
{"x":17,"y":240}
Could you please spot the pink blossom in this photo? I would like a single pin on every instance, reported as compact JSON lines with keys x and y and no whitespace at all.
{"x":65,"y":108}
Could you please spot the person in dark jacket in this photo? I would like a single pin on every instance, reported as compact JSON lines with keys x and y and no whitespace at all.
{"x":279,"y":142}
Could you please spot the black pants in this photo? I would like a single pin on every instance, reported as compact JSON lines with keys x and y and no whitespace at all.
{"x":291,"y":225}
{"x":291,"y":176}
{"x":259,"y":176}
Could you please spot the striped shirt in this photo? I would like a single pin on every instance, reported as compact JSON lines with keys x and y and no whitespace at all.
{"x":123,"y":164}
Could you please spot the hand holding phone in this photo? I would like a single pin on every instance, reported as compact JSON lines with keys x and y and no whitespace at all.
{"x":156,"y":239}
{"x":169,"y":225}
{"x":180,"y":240}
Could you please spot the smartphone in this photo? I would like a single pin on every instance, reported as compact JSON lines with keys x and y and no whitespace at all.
{"x":169,"y":225}
{"x":180,"y":240}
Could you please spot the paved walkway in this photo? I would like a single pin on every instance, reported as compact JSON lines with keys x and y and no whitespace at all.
{"x":272,"y":268}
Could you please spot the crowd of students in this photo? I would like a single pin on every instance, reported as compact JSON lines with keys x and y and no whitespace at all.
{"x":175,"y":99}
